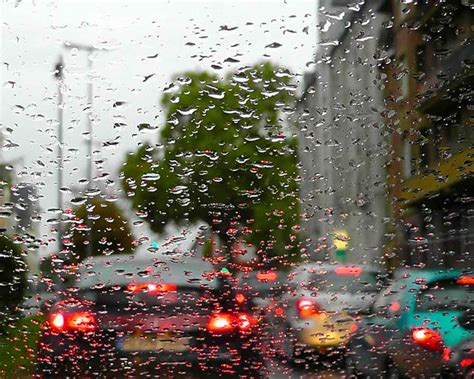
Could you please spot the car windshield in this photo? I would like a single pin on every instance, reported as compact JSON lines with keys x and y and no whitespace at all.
{"x":225,"y":188}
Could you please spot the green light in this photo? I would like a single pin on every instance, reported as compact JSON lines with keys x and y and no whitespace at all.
{"x":341,"y":253}
{"x":154,"y":245}
{"x":225,"y":270}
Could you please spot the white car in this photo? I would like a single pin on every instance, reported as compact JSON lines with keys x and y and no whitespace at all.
{"x":322,"y":304}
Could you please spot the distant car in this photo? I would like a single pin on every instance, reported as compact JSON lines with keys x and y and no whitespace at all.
{"x":132,"y":315}
{"x":321,"y":306}
{"x":261,"y":289}
{"x":415,"y":323}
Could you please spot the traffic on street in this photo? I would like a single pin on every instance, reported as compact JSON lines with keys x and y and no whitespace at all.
{"x":237,"y":189}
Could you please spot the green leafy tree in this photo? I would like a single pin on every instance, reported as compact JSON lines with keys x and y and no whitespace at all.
{"x":224,"y":157}
{"x":13,"y":282}
{"x":110,"y":233}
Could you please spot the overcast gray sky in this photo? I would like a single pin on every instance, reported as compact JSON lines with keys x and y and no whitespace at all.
{"x":138,"y":38}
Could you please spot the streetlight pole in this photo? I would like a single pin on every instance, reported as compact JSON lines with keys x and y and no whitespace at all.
{"x":58,"y":74}
{"x":89,"y":49}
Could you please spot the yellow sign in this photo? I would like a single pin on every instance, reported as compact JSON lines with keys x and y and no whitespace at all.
{"x":341,"y":239}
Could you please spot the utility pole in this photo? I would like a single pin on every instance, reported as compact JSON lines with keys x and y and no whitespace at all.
{"x":59,"y":74}
{"x":89,"y":49}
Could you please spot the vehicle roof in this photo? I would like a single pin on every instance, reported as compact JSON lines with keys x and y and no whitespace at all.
{"x":427,"y":274}
{"x":329,"y":266}
{"x":125,"y":269}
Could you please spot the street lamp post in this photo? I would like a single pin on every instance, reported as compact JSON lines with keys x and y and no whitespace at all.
{"x":58,"y":74}
{"x":89,"y":49}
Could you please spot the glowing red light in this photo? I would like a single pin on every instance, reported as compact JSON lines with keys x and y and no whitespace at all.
{"x":348,"y":270}
{"x":76,"y":321}
{"x":394,"y":307}
{"x":466,"y":280}
{"x":267,"y":276}
{"x":244,"y":322}
{"x":428,"y":339}
{"x":307,"y":307}
{"x":57,"y":321}
{"x":279,"y":311}
{"x":467,"y":362}
{"x":81,"y":321}
{"x":221,"y":322}
{"x":151,"y":287}
{"x":354,"y":328}
{"x":225,"y":322}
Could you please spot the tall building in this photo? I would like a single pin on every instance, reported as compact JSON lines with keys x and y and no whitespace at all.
{"x":429,"y":97}
{"x":343,"y":144}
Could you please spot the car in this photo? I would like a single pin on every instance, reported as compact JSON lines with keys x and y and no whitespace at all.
{"x":413,"y":325}
{"x":130,"y":315}
{"x":261,"y":289}
{"x":322,"y":305}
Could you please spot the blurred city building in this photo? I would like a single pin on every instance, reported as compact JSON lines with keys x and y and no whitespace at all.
{"x":429,"y":112}
{"x":343,"y":147}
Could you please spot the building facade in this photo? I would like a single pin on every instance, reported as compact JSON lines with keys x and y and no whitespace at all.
{"x":343,"y":141}
{"x":429,"y":98}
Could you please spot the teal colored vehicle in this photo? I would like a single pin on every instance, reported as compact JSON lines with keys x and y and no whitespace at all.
{"x":413,"y":325}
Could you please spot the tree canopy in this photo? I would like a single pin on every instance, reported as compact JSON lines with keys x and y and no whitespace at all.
{"x":225,"y":156}
{"x":13,"y":272}
{"x":109,"y":230}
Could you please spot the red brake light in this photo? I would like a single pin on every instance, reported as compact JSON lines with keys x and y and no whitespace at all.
{"x":75,"y":321}
{"x":428,"y":339}
{"x":466,"y":280}
{"x":348,"y":270}
{"x":307,"y":307}
{"x":466,"y":362}
{"x":221,"y":322}
{"x":226,"y":322}
{"x":151,"y":287}
{"x":57,"y":321}
{"x":267,"y":276}
{"x":81,"y":321}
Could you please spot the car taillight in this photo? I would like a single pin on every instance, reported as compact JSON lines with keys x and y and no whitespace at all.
{"x":307,"y":308}
{"x":151,"y":287}
{"x":226,"y":322}
{"x":220,"y":323}
{"x":74,"y":321}
{"x":428,"y":339}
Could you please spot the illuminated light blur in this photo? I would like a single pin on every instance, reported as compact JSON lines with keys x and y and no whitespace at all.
{"x":354,"y":328}
{"x":466,"y":362}
{"x":466,"y":280}
{"x":57,"y":321}
{"x":76,"y":321}
{"x":82,"y":321}
{"x":394,"y":307}
{"x":244,"y":322}
{"x":221,"y":322}
{"x":348,"y":270}
{"x":428,"y":339}
{"x":446,"y":354}
{"x":307,"y":307}
{"x":226,"y":322}
{"x":268,"y":276}
{"x":279,"y":311}
{"x":151,"y":287}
